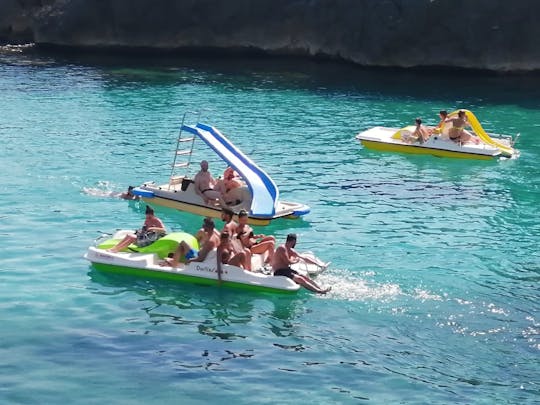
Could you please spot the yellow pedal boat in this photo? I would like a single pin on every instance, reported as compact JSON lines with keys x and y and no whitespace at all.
{"x":439,"y":144}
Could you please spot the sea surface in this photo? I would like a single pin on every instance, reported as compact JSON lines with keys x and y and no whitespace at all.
{"x":435,"y":262}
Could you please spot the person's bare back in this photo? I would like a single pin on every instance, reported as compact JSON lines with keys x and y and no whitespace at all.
{"x":281,"y":259}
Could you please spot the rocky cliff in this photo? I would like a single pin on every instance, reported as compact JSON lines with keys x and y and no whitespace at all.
{"x":481,"y":34}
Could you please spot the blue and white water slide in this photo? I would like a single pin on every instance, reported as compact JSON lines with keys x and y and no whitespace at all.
{"x":263,"y":189}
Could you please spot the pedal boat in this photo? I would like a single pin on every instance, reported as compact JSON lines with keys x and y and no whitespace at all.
{"x":439,"y":144}
{"x":148,"y":262}
{"x":259,"y":197}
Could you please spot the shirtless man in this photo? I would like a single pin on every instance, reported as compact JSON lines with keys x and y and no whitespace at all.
{"x":210,"y":240}
{"x":284,"y":256}
{"x":204,"y":185}
{"x":152,"y":229}
{"x":231,"y":182}
{"x":230,"y":224}
{"x":457,"y":131}
{"x":202,"y":236}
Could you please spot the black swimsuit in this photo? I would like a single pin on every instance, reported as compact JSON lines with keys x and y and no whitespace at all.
{"x":287,"y":272}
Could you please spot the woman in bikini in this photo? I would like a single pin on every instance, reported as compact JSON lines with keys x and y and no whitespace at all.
{"x":457,"y":131}
{"x":257,"y":244}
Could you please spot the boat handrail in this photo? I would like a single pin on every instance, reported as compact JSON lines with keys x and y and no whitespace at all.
{"x":182,"y":150}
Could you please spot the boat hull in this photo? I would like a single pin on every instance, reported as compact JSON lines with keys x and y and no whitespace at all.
{"x":417,"y":150}
{"x":175,"y":197}
{"x":186,"y":278}
{"x":205,"y":273}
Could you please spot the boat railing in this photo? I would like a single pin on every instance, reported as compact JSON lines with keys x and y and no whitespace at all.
{"x":184,"y":149}
{"x":514,"y":139}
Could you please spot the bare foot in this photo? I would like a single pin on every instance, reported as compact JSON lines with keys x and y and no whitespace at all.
{"x":326,"y":290}
{"x":168,"y":263}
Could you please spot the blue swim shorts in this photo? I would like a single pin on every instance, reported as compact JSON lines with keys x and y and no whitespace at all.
{"x":191,"y":254}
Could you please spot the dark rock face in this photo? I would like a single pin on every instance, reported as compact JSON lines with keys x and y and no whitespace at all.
{"x":15,"y":22}
{"x":483,"y":34}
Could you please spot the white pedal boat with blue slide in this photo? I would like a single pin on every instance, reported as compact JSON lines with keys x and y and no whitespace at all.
{"x":148,"y":262}
{"x":439,"y":144}
{"x":259,"y":197}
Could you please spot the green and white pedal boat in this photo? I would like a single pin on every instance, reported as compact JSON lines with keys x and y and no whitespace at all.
{"x":148,"y":262}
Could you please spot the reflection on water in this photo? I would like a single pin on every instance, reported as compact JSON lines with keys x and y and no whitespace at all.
{"x":214,"y":311}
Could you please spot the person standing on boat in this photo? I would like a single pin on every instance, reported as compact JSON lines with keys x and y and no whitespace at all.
{"x":152,"y":229}
{"x":457,"y":131}
{"x":204,"y":185}
{"x":284,"y":256}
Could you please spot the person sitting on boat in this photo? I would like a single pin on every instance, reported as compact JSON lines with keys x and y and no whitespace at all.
{"x":211,"y":241}
{"x":152,"y":229}
{"x":202,"y":236}
{"x":231,"y":180}
{"x":228,"y":254}
{"x":227,"y":216}
{"x":229,"y":187}
{"x":284,"y":256}
{"x":230,"y":228}
{"x":421,"y":133}
{"x":440,"y":128}
{"x":457,"y":131}
{"x":257,"y":244}
{"x":205,"y":185}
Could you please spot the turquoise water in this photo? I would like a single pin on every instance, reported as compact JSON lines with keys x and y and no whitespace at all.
{"x":435,"y":263}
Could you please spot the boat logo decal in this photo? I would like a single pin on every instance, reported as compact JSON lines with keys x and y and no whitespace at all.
{"x":208,"y":269}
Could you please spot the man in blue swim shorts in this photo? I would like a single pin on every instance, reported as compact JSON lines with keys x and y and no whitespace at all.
{"x":211,"y":241}
{"x":191,"y":253}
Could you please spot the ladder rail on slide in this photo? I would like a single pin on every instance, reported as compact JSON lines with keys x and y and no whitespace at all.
{"x":184,"y":148}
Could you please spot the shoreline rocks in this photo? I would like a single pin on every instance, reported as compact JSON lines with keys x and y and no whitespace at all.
{"x":484,"y":34}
